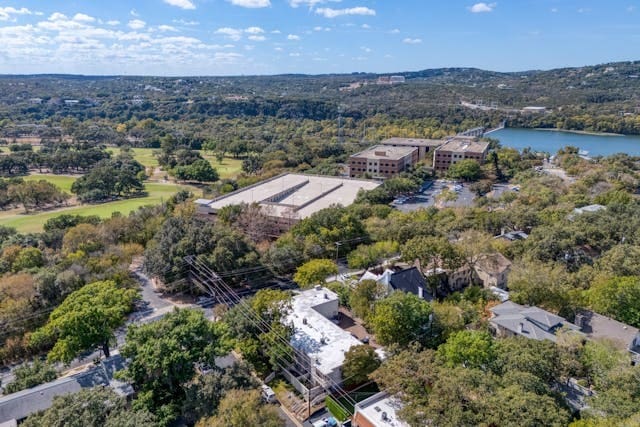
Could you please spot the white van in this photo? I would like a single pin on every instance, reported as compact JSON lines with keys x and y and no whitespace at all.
{"x":268,"y":395}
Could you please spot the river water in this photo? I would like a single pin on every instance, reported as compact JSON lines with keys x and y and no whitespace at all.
{"x":552,"y":141}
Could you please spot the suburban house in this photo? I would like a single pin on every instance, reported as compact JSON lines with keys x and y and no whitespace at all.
{"x":18,"y":406}
{"x":511,"y":319}
{"x":409,"y":280}
{"x":489,"y":270}
{"x":320,"y":342}
{"x":379,"y":410}
{"x":586,"y":209}
{"x":286,"y":199}
{"x":513,"y":236}
{"x":492,"y":270}
{"x":622,"y":336}
{"x":384,"y":161}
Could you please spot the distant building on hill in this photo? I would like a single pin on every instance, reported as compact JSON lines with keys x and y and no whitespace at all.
{"x":391,"y":80}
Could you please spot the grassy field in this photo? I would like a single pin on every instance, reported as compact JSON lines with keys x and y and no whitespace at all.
{"x":61,"y":181}
{"x":143,"y":155}
{"x":229,"y":168}
{"x":32,"y":223}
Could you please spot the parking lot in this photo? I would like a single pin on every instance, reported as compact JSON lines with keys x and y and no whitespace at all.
{"x":427,"y":197}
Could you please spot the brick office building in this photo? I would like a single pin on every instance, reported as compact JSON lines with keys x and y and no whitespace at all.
{"x":383,"y":161}
{"x":459,"y":148}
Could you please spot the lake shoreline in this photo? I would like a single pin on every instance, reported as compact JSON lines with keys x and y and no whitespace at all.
{"x":578,"y":132}
{"x":551,"y":142}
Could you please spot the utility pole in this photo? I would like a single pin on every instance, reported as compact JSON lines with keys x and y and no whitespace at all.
{"x":338,"y":244}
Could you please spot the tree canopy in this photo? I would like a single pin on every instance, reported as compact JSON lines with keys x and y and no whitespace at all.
{"x":164,"y":355}
{"x":86,"y":318}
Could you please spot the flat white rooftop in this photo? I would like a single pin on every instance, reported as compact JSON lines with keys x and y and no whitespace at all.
{"x":385,"y":152}
{"x":463,"y":144}
{"x":294,"y":195}
{"x":381,"y":410}
{"x":324,"y":342}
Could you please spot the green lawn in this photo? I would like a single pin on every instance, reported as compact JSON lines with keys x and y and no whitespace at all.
{"x":143,"y":155}
{"x":32,"y":223}
{"x":229,"y":167}
{"x":61,"y":181}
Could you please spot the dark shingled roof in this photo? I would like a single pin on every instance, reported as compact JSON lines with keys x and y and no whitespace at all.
{"x":410,"y":281}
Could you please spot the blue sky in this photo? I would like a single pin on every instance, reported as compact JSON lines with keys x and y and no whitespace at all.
{"x":232,"y":37}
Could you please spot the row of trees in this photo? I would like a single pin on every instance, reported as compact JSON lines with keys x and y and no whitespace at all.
{"x":31,"y":195}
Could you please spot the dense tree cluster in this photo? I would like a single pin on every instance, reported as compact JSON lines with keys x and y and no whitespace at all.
{"x":110,"y":178}
{"x":31,"y":195}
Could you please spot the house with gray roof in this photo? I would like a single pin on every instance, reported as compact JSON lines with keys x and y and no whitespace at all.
{"x":511,"y":319}
{"x":20,"y":405}
{"x":624,"y":337}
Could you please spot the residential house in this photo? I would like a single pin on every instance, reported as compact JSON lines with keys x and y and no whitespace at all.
{"x":409,"y":280}
{"x":512,"y":236}
{"x":379,"y":410}
{"x":492,"y":270}
{"x":623,"y":337}
{"x":18,"y":406}
{"x":511,"y":319}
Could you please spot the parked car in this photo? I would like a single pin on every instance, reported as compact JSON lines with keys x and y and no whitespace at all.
{"x":268,"y":395}
{"x":326,"y":422}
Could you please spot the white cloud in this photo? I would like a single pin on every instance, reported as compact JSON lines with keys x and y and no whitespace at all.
{"x":294,"y":54}
{"x":57,"y":16}
{"x":366,"y":49}
{"x":182,"y":4}
{"x":133,"y":12}
{"x":81,"y":17}
{"x":554,"y":10}
{"x":257,"y":38}
{"x":411,"y":41}
{"x":328,"y":12}
{"x":365,"y":26}
{"x":310,"y":3}
{"x":278,"y":49}
{"x":113,"y":22}
{"x":394,"y":31}
{"x":251,"y":4}
{"x":167,"y":28}
{"x":293,"y":37}
{"x":183,"y":22}
{"x":254,"y":30}
{"x":137,"y":24}
{"x":232,"y":33}
{"x":482,"y":7}
{"x":7,"y":13}
{"x":276,"y":32}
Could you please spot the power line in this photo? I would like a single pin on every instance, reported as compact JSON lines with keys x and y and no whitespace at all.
{"x":227,"y":292}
